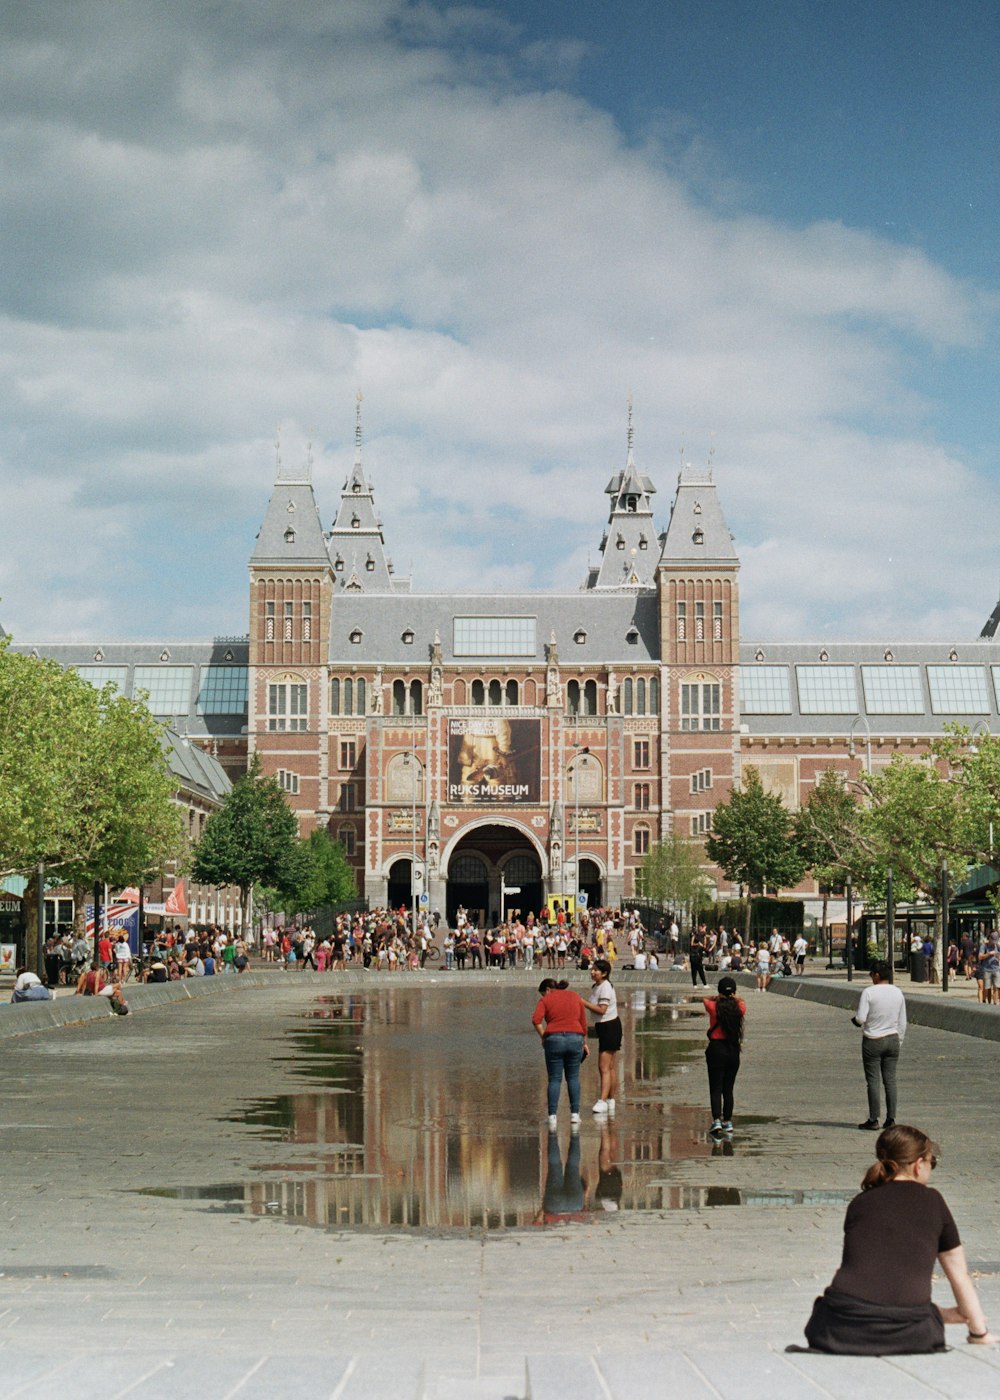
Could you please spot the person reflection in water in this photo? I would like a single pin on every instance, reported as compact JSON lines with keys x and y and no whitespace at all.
{"x":564,"y":1189}
{"x":560,"y":1019}
{"x":608,"y":1192}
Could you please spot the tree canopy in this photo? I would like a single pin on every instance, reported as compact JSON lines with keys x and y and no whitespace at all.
{"x":85,"y":786}
{"x":752,"y":840}
{"x":673,"y":873}
{"x":252,"y":838}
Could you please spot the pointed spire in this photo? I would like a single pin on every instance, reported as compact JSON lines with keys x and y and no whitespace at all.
{"x":357,"y":428}
{"x":630,"y":432}
{"x":628,"y":559}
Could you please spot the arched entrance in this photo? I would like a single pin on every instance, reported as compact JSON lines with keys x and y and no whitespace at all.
{"x":479,"y":861}
{"x":590,"y":883}
{"x":399,"y":891}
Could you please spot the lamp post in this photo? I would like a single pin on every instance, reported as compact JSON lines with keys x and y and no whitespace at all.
{"x":860,"y":719}
{"x":849,"y":947}
{"x":581,"y":751}
{"x":890,"y":922}
{"x":944,"y":926}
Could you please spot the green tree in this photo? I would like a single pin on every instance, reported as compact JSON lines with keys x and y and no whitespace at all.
{"x":673,"y":873}
{"x":752,"y":840}
{"x":85,"y":786}
{"x":827,"y":829}
{"x":251,"y":839}
{"x":325,"y":877}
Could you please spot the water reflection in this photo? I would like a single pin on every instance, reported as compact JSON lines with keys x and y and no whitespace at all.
{"x":424,"y":1110}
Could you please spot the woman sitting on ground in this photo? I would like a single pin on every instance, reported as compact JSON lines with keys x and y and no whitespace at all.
{"x":879,"y":1303}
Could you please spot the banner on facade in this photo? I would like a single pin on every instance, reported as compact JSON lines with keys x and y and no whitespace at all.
{"x":494,"y":760}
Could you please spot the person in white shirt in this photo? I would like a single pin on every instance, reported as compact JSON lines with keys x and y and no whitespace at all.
{"x":640,"y":961}
{"x":881,"y":1014}
{"x":800,"y":947}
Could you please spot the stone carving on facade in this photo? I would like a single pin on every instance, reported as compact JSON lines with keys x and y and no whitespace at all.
{"x":612,"y":702}
{"x":377,"y":698}
{"x":553,"y":687}
{"x":436,"y":693}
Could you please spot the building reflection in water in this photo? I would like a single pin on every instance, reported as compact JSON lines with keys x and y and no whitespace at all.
{"x":424,"y":1110}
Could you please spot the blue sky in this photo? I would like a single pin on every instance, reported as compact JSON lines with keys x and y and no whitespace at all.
{"x":774,"y":225}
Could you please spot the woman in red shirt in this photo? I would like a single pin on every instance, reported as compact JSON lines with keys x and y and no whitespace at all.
{"x":560,"y":1018}
{"x":726,"y":1013}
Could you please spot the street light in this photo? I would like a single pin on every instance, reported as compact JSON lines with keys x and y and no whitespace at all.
{"x":581,"y":750}
{"x":411,"y":758}
{"x":860,"y":719}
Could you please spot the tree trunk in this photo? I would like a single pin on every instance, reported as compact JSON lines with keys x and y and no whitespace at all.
{"x":825,"y":945}
{"x":32,"y":952}
{"x":80,"y":893}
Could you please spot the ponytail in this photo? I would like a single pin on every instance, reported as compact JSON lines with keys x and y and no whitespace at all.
{"x":898,"y":1148}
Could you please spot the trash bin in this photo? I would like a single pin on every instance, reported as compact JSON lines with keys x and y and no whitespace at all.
{"x":918,"y":967}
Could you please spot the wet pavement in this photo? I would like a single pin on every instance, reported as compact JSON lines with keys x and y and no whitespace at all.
{"x":368,"y":1173}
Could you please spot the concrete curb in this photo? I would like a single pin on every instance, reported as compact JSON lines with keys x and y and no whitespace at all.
{"x":29,"y":1016}
{"x":961,"y":1017}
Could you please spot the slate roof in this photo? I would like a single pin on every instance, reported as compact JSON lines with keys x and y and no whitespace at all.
{"x":606,"y":619}
{"x":292,"y":532}
{"x":221,"y":651}
{"x":853,"y":655}
{"x":697,"y":511}
{"x":194,"y":768}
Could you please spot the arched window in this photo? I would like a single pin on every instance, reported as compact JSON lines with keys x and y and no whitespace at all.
{"x":360,"y":696}
{"x":511,"y":693}
{"x":335,"y":696}
{"x":640,"y":696}
{"x":348,"y":696}
{"x":590,"y":698}
{"x":654,"y":696}
{"x":627,"y":696}
{"x":573,"y":697}
{"x":478,"y":693}
{"x":496,"y":694}
{"x":399,"y":698}
{"x":417,"y":697}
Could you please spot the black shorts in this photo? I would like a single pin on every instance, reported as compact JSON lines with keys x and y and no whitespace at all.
{"x":609,"y":1034}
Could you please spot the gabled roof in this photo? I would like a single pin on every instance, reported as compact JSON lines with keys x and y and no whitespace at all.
{"x":697,"y":534}
{"x":292,"y":532}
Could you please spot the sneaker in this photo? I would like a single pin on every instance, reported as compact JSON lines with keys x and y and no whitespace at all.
{"x":601,"y":1106}
{"x":889,"y":1123}
{"x":574,"y":1117}
{"x":869,"y":1125}
{"x":716,"y":1126}
{"x":611,"y":1105}
{"x":552,"y":1122}
{"x":727,"y":1126}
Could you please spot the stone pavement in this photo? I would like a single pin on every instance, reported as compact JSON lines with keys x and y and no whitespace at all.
{"x":105,"y":1289}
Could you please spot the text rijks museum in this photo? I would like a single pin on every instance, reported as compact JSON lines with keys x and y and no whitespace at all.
{"x":483,"y":744}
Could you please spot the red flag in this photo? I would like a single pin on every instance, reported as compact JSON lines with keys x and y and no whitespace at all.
{"x":175,"y":903}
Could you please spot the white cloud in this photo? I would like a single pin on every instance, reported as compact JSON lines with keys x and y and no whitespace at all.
{"x":233,"y":225}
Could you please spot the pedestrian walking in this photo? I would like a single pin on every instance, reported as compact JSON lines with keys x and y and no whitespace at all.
{"x":895,"y":1231}
{"x":726,"y":1015}
{"x":699,"y":942}
{"x":881,"y":1014}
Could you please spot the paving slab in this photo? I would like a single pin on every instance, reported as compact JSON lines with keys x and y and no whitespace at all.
{"x":439,"y":1090}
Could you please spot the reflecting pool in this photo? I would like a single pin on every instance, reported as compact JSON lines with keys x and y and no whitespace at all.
{"x":425,"y":1109}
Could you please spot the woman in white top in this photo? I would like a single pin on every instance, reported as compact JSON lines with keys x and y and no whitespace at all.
{"x":609,"y":1031}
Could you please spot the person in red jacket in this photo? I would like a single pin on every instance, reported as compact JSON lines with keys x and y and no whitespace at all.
{"x":726,"y":1013}
{"x":560,"y":1018}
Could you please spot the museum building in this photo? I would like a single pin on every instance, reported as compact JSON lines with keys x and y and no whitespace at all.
{"x":501,"y":751}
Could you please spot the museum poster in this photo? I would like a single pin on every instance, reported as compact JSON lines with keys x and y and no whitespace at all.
{"x":494,"y":760}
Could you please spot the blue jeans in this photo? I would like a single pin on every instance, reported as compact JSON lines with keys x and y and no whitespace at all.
{"x":564,"y":1056}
